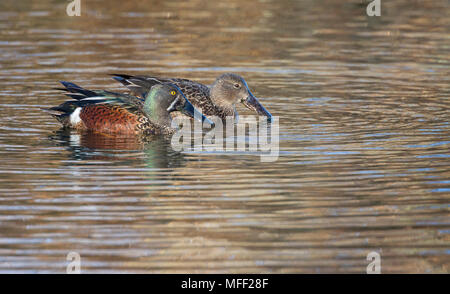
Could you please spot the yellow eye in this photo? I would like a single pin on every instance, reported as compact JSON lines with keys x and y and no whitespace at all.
{"x":173,"y":93}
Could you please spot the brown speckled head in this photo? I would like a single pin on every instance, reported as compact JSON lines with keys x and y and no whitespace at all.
{"x":229,"y":88}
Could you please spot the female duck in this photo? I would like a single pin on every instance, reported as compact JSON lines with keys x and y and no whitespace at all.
{"x":219,"y":99}
{"x":109,"y":112}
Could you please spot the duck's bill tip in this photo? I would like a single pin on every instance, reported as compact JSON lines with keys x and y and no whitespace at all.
{"x":253,"y":104}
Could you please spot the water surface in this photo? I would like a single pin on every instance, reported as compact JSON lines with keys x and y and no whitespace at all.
{"x":364,"y":139}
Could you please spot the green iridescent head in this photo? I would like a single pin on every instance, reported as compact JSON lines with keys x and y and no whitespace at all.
{"x":163,"y":99}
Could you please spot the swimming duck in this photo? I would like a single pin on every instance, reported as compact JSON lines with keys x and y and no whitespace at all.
{"x":219,"y":99}
{"x":109,"y":112}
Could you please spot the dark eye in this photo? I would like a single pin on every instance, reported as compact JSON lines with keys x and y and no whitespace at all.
{"x":237,"y":86}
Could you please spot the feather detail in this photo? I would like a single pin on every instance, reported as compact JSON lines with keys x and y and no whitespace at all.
{"x":198,"y":94}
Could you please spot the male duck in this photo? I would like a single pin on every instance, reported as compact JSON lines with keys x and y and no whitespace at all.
{"x":219,"y":99}
{"x":109,"y":112}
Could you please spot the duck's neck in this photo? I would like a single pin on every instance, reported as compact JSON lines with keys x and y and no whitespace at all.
{"x":220,"y":103}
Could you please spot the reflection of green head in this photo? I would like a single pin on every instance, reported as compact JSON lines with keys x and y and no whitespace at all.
{"x":159,"y":154}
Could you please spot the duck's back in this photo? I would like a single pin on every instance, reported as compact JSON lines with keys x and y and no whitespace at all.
{"x":198,"y":94}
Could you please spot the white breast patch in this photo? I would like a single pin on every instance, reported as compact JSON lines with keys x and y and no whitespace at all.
{"x":75,"y":117}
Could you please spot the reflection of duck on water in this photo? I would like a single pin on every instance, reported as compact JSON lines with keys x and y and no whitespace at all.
{"x":156,"y":151}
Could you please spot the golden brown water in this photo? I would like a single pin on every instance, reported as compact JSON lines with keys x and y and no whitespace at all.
{"x":364,"y":139}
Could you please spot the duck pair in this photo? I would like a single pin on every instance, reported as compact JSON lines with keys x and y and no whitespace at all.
{"x":153,"y":103}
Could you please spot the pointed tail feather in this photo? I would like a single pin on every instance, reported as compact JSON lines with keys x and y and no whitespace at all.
{"x":138,"y":85}
{"x":79,"y":92}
